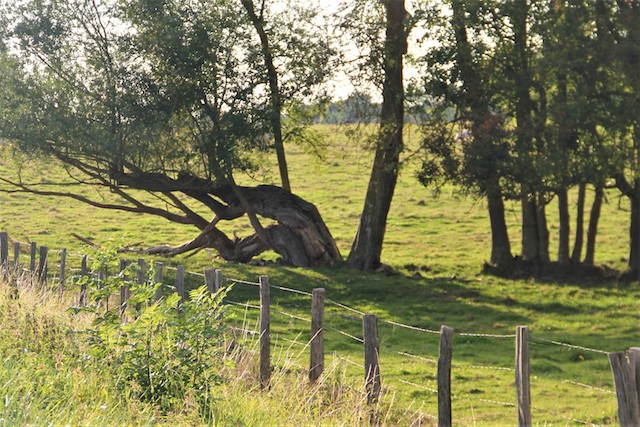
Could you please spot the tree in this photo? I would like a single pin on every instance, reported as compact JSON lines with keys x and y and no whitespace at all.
{"x":165,"y":97}
{"x":367,"y":245}
{"x":460,"y":78}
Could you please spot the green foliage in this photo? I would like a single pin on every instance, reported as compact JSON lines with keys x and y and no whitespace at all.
{"x":168,"y":349}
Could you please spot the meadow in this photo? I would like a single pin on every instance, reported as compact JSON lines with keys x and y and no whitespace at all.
{"x":435,"y":247}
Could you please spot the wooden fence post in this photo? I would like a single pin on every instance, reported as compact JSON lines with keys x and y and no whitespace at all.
{"x":209,"y":279}
{"x":124,"y":291}
{"x":43,"y":268}
{"x":16,"y":257}
{"x":83,"y":288}
{"x":63,"y":267}
{"x":316,"y":358}
{"x":523,"y":386}
{"x":265,"y":328}
{"x":4,"y":252}
{"x":218,"y":281}
{"x":32,"y":263}
{"x":180,"y":283}
{"x":444,"y":376}
{"x":626,"y":392}
{"x":141,"y":279}
{"x":158,"y":279}
{"x":371,"y":358}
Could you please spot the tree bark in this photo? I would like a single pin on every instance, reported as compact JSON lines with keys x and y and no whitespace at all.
{"x":634,"y":235}
{"x":543,"y":230}
{"x":500,"y":244}
{"x":276,"y":101}
{"x":530,"y":245}
{"x":367,"y":245}
{"x":476,"y":104}
{"x":565,"y":227}
{"x":592,"y":230}
{"x":576,"y":255}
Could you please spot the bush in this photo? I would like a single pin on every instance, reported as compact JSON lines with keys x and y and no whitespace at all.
{"x":168,"y":350}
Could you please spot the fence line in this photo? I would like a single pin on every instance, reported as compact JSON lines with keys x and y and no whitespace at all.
{"x":39,"y":270}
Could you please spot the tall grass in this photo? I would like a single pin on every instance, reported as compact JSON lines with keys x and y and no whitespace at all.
{"x":48,"y":378}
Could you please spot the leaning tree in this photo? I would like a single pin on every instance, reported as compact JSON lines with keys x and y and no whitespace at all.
{"x":169,"y":98}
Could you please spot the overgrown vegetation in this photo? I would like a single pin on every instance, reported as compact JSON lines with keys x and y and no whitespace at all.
{"x":173,"y":362}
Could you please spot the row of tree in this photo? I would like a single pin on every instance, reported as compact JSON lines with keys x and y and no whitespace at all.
{"x":526,"y":99}
{"x":548,"y":92}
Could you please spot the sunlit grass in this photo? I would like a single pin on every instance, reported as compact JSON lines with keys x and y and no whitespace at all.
{"x":437,"y":247}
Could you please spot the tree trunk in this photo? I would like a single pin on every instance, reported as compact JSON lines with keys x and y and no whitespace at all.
{"x":530,"y":248}
{"x":576,"y":255}
{"x":500,"y":245}
{"x":592,"y":231}
{"x":634,"y":236}
{"x":543,"y":230}
{"x":274,"y":88}
{"x":565,"y":227}
{"x":367,"y":245}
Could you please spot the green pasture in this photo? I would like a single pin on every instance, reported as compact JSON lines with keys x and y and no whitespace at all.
{"x":435,"y":248}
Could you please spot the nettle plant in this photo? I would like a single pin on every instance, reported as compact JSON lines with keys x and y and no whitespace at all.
{"x":168,"y":349}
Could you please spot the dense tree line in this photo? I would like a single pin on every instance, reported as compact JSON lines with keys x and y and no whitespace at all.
{"x":548,"y":93}
{"x":526,"y":100}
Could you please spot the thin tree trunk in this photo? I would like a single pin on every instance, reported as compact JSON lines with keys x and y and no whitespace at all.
{"x":530,"y":248}
{"x":565,"y":227}
{"x":543,"y":230}
{"x":274,"y":88}
{"x":634,"y":236}
{"x":500,"y":244}
{"x":576,"y":255}
{"x":367,"y":245}
{"x":592,"y":231}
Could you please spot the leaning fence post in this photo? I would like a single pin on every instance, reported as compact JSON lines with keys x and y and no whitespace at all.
{"x":624,"y":379}
{"x":265,"y":327}
{"x":371,"y":358}
{"x":158,"y":279}
{"x":124,"y":290}
{"x":180,"y":283}
{"x":16,"y":257}
{"x":444,"y":376}
{"x":4,"y":252}
{"x":316,"y":359}
{"x":209,"y":279}
{"x":42,"y":266}
{"x":63,"y":266}
{"x":83,"y":288}
{"x":141,"y":280}
{"x":33,"y":252}
{"x":523,"y":386}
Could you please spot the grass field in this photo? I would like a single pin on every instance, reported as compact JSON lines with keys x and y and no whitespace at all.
{"x":436,"y":246}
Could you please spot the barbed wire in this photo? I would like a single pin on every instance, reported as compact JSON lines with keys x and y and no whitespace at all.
{"x":579,"y":421}
{"x":603,"y":390}
{"x":247,"y":305}
{"x":242,"y":282}
{"x":351,"y":362}
{"x":469,"y":334}
{"x":495,"y":402}
{"x":417,"y":385}
{"x":346,"y":334}
{"x":295,"y":291}
{"x":563,"y":344}
{"x":413,"y":328}
{"x":413,"y":356}
{"x":346,"y":307}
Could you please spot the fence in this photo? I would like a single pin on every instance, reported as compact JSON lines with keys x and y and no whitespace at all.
{"x":625,"y":368}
